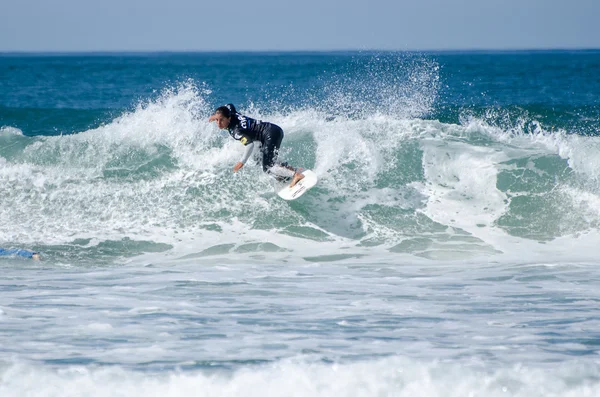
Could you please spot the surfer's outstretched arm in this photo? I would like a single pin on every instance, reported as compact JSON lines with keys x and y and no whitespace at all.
{"x":247,"y":152}
{"x":245,"y":157}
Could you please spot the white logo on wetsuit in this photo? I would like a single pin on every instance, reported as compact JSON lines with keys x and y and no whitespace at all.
{"x":243,"y":121}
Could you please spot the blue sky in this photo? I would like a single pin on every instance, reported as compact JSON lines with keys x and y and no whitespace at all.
{"x":186,"y":25}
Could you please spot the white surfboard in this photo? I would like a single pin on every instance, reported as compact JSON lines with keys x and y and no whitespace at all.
{"x":292,"y":193}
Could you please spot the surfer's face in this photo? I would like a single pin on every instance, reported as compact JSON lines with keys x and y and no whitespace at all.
{"x":222,"y":121}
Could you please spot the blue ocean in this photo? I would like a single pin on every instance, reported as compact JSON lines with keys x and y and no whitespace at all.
{"x":450,"y":248}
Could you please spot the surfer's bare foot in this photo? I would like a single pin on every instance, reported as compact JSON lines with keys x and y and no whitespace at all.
{"x":297,"y":178}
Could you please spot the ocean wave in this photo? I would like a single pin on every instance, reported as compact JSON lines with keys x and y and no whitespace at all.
{"x":390,"y":182}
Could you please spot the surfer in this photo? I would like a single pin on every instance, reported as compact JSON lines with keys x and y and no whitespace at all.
{"x":250,"y":132}
{"x":20,"y":252}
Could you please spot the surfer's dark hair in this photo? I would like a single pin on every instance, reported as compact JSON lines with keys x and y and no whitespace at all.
{"x":226,"y":110}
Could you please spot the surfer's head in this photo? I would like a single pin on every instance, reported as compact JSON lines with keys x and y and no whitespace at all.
{"x":223,"y":115}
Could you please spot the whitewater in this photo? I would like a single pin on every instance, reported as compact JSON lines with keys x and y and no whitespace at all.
{"x":408,"y":186}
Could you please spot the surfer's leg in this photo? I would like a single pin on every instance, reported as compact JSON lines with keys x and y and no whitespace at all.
{"x":272,"y":141}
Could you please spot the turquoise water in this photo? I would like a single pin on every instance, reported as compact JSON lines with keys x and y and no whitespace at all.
{"x":448,"y":249}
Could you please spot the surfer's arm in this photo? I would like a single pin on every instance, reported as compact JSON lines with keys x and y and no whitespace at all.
{"x":247,"y":152}
{"x":245,"y":157}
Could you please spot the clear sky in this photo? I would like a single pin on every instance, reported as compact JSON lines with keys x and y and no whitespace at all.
{"x":201,"y":25}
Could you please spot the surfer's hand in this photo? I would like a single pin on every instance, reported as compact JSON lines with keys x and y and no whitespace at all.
{"x":237,"y":167}
{"x":212,"y":118}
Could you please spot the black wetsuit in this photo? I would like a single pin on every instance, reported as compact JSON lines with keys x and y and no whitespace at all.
{"x":248,"y":130}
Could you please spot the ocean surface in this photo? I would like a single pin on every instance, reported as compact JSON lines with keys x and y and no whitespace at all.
{"x":451,"y":247}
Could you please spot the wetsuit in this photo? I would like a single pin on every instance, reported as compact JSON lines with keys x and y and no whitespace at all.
{"x":17,"y":252}
{"x":250,"y":132}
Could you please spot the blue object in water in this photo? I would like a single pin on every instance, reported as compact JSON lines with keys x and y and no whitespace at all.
{"x":17,"y":252}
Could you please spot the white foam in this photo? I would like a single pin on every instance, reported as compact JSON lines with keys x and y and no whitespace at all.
{"x":6,"y":130}
{"x":102,"y":327}
{"x":392,"y":376}
{"x":579,"y":151}
{"x":461,"y":184}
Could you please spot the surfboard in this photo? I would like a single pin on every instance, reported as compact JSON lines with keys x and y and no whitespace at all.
{"x":292,"y":193}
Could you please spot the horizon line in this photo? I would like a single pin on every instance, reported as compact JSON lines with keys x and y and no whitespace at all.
{"x":299,"y":51}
